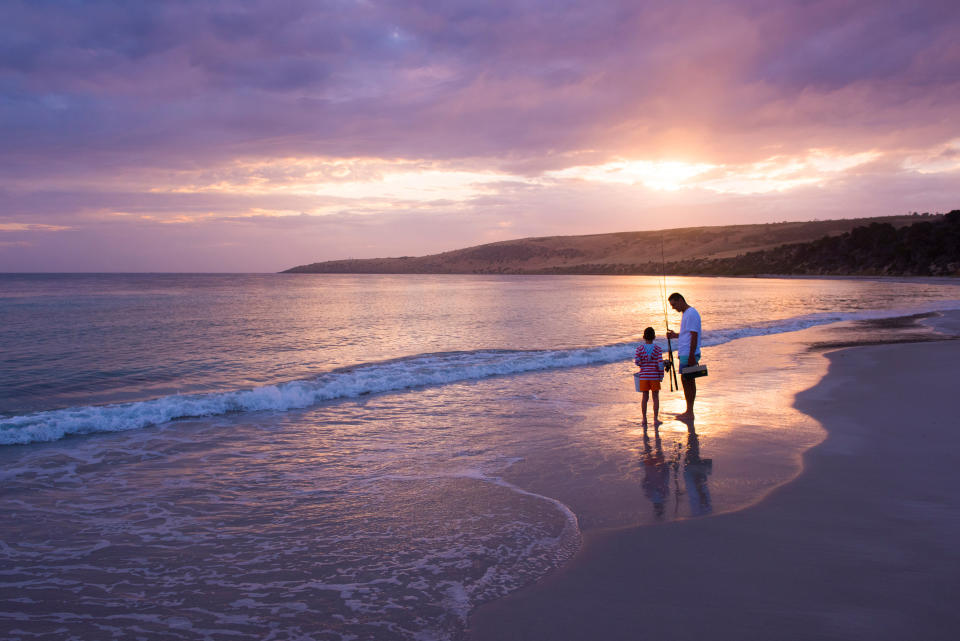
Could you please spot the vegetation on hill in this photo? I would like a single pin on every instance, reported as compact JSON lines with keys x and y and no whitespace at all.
{"x":926,"y":248}
{"x":894,"y":246}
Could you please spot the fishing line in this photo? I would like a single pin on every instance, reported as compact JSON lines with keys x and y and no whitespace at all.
{"x":666,"y":320}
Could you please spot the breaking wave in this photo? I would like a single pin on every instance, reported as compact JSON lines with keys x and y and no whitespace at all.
{"x":424,"y":370}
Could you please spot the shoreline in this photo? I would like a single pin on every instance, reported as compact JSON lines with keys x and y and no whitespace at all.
{"x":765,"y":276}
{"x":861,"y":545}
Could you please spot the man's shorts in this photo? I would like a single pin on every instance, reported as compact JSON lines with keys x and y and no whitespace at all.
{"x":648,"y":386}
{"x":682,"y":362}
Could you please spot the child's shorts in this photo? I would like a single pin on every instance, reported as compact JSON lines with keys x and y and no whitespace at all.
{"x":648,"y":386}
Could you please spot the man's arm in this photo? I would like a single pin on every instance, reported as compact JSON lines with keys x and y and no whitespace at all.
{"x":694,"y":337}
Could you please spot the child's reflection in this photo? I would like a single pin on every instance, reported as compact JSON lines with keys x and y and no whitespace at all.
{"x":687,"y":464}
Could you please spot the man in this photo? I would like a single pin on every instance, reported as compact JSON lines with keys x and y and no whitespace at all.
{"x":688,"y":347}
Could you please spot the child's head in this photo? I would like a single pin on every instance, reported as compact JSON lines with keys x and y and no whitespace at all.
{"x":649,"y":334}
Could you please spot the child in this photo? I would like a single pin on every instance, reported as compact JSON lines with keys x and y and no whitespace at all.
{"x":650,"y":361}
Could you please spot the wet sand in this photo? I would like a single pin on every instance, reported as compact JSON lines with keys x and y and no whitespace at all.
{"x":862,"y":545}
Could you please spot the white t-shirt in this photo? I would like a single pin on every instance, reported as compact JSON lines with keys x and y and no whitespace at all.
{"x":689,"y":322}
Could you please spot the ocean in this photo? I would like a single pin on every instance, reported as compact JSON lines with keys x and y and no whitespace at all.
{"x":370,"y":457}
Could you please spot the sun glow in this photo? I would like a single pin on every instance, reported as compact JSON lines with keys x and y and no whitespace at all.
{"x":777,"y":173}
{"x":654,"y":174}
{"x":320,"y":186}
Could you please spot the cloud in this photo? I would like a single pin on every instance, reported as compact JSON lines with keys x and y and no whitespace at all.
{"x":443,"y":124}
{"x":447,"y":80}
{"x":8,"y":227}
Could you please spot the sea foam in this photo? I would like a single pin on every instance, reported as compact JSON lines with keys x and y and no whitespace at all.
{"x":422,"y":370}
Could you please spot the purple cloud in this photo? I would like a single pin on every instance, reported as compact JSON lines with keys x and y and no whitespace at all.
{"x":348,"y":78}
{"x":102,"y":101}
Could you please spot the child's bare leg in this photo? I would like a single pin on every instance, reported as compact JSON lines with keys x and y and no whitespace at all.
{"x":643,"y":406}
{"x":656,"y":408}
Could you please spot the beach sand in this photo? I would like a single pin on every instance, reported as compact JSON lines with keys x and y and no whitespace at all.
{"x":862,"y":545}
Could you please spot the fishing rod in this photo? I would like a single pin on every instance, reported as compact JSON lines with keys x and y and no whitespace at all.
{"x":672,"y":376}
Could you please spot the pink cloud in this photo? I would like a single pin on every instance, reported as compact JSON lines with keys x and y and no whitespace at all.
{"x":102,"y":102}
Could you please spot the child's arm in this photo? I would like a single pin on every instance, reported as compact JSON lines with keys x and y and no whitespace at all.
{"x":641,"y":356}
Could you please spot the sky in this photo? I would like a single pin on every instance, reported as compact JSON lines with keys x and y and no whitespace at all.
{"x":252,"y":136}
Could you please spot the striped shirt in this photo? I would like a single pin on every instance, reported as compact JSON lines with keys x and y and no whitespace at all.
{"x":649,"y":359}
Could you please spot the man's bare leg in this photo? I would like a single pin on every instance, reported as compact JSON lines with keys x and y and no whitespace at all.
{"x":690,"y":395}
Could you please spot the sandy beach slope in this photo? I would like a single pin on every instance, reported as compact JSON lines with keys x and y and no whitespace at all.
{"x":863,"y":545}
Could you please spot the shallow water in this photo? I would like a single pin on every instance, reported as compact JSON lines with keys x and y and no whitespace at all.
{"x":388,"y":518}
{"x":389,"y":515}
{"x":81,"y":340}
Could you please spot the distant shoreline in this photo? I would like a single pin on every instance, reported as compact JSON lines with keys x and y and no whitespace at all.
{"x":933,"y":279}
{"x":883,"y":246}
{"x":657,"y":275}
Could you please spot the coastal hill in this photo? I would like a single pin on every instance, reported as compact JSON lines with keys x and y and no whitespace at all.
{"x":925,"y":248}
{"x":721,"y":250}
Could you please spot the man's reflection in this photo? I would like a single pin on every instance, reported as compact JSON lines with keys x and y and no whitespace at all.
{"x":695,"y":471}
{"x":686,"y":463}
{"x":656,"y":474}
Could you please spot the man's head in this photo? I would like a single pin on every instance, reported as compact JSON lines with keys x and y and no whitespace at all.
{"x":677,"y":301}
